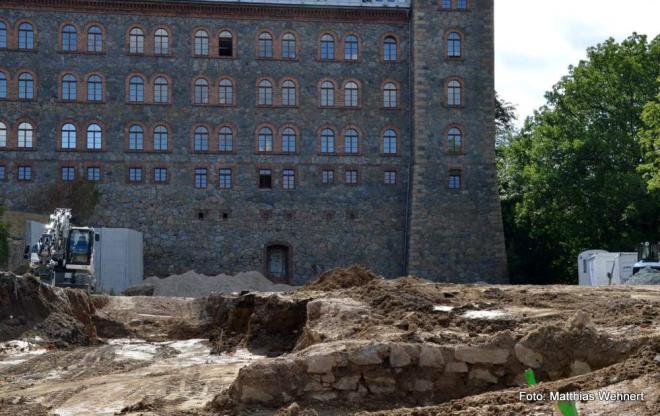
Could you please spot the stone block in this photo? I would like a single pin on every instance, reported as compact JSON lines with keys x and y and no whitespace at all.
{"x":370,"y":354}
{"x":456,"y":367}
{"x":431,"y":356}
{"x":402,"y":355}
{"x":347,"y":383}
{"x":483,"y":355}
{"x":579,"y":367}
{"x":482,"y":375}
{"x":527,"y":356}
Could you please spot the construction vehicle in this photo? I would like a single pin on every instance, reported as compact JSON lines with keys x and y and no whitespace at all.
{"x":64,"y":255}
{"x":648,"y":256}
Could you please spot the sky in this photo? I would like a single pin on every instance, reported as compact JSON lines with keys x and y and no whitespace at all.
{"x":536,"y":40}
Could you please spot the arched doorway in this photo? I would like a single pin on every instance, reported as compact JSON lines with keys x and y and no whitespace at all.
{"x":278,"y":262}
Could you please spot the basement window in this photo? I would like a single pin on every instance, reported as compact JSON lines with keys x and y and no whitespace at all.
{"x":265,"y":179}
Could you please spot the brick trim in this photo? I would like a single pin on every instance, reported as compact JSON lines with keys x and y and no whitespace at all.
{"x":127,"y":132}
{"x":342,"y":140}
{"x":397,"y":38}
{"x":60,"y":37}
{"x":85,"y":38}
{"x":24,"y":163}
{"x":212,"y":138}
{"x":85,"y":90}
{"x":461,"y":81}
{"x":131,"y":165}
{"x":274,"y":43}
{"x":445,"y":139}
{"x":127,"y":39}
{"x":35,"y":35}
{"x":193,"y":35}
{"x":273,"y":85}
{"x":193,"y":91}
{"x":234,"y":41}
{"x":342,"y":95}
{"x":234,"y":136}
{"x":58,"y":135}
{"x":170,"y":40}
{"x":297,"y":37}
{"x":382,"y":142}
{"x":35,"y":135}
{"x":337,"y":47}
{"x":319,"y":94}
{"x":94,"y":164}
{"x":348,"y":168}
{"x":60,"y":87}
{"x":35,"y":84}
{"x":280,"y":138}
{"x":359,"y":47}
{"x":145,"y":85}
{"x":274,"y":131}
{"x":319,"y":134}
{"x":280,"y":89}
{"x":397,"y":85}
{"x":446,"y":44}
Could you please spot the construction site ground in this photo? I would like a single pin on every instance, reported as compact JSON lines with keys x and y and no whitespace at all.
{"x":350,"y":343}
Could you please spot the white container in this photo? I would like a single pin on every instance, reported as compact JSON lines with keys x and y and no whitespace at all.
{"x":601,"y":268}
{"x":118,"y":258}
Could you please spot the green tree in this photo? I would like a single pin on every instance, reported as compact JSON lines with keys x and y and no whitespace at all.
{"x":650,"y":139}
{"x":570,"y":177}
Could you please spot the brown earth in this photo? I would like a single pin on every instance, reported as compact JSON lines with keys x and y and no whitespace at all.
{"x":349,"y":343}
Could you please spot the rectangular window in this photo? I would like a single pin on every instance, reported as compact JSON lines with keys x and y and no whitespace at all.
{"x":201,"y":181}
{"x":3,"y":36}
{"x":68,"y":173}
{"x":225,"y":178}
{"x":265,"y":179}
{"x":94,"y":174}
{"x":454,"y":179}
{"x":3,"y":86}
{"x":351,"y":177}
{"x":135,"y":175}
{"x":390,"y":177}
{"x":288,"y":179}
{"x":160,"y":175}
{"x":328,"y":177}
{"x":25,"y":173}
{"x":3,"y":173}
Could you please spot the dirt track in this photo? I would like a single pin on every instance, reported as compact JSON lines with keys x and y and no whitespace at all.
{"x":154,"y":355}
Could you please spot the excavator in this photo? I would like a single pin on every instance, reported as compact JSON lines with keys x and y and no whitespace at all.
{"x":64,"y":255}
{"x":648,"y":256}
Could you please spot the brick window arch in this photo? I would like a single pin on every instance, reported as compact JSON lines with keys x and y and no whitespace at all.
{"x":265,"y":140}
{"x":327,"y":47}
{"x":265,"y":45}
{"x":351,"y":94}
{"x":161,"y":90}
{"x":226,"y":44}
{"x":351,"y":48}
{"x":265,"y":92}
{"x":226,"y":91}
{"x":226,"y":139}
{"x":3,"y":84}
{"x":351,"y":141}
{"x":454,"y":4}
{"x":161,"y":136}
{"x":68,"y":136}
{"x":94,"y":137}
{"x":455,"y":140}
{"x":201,"y":91}
{"x":327,"y":93}
{"x":3,"y":34}
{"x":289,"y":140}
{"x":390,"y":48}
{"x":136,"y":137}
{"x":289,"y":47}
{"x":136,"y":89}
{"x":161,"y":41}
{"x":95,"y":88}
{"x":390,"y":95}
{"x":454,"y":44}
{"x":201,"y":139}
{"x":26,"y":36}
{"x":25,"y":135}
{"x":289,"y":93}
{"x":390,"y":142}
{"x":136,"y":41}
{"x":69,"y":88}
{"x":95,"y":39}
{"x":201,"y":43}
{"x":454,"y":91}
{"x":328,"y":141}
{"x":26,"y":86}
{"x":69,"y":38}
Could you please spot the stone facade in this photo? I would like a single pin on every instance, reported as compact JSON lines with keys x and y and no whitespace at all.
{"x":416,"y":226}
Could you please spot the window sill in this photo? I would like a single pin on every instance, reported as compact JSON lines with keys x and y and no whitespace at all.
{"x":391,"y":108}
{"x":390,"y":155}
{"x":81,"y":52}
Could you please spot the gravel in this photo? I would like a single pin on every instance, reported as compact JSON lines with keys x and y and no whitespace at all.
{"x":193,"y":284}
{"x":647,"y":276}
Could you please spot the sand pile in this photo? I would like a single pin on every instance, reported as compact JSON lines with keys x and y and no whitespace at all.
{"x":194,"y":285}
{"x":647,"y":276}
{"x":343,"y":278}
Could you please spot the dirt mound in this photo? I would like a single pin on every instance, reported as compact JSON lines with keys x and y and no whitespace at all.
{"x":647,"y":276}
{"x":29,"y":308}
{"x":343,"y":278}
{"x":194,"y":285}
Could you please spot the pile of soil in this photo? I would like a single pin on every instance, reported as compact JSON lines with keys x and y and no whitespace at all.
{"x":193,"y":285}
{"x":343,"y":278}
{"x":647,"y":276}
{"x":29,"y":308}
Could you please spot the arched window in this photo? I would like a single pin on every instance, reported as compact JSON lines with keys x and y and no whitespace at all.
{"x":289,"y":93}
{"x":327,"y":94}
{"x":68,"y":136}
{"x":351,"y":141}
{"x":136,"y":137}
{"x":226,"y":93}
{"x":327,"y":141}
{"x":446,"y":4}
{"x":94,"y":137}
{"x":201,"y":91}
{"x":289,"y":140}
{"x":161,"y":90}
{"x":94,"y":88}
{"x":3,"y":135}
{"x":25,"y":86}
{"x":25,"y":36}
{"x":94,"y":39}
{"x":136,"y":40}
{"x":351,"y":94}
{"x":161,"y":138}
{"x":461,"y":4}
{"x":390,"y":95}
{"x":389,"y":142}
{"x":265,"y":45}
{"x":161,"y":42}
{"x":454,"y":49}
{"x":226,"y":140}
{"x":69,"y":87}
{"x":289,"y":46}
{"x":201,"y":139}
{"x":69,"y":38}
{"x":265,"y":93}
{"x":3,"y":85}
{"x":25,"y":135}
{"x":265,"y":140}
{"x":351,"y":48}
{"x":327,"y":47}
{"x":226,"y":44}
{"x":390,"y":49}
{"x":136,"y":89}
{"x":454,"y":140}
{"x":454,"y":93}
{"x":202,"y":43}
{"x":3,"y":35}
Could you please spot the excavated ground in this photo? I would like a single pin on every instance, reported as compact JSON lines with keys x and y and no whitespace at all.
{"x":350,"y":343}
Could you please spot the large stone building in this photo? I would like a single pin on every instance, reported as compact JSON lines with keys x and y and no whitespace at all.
{"x":287,"y":136}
